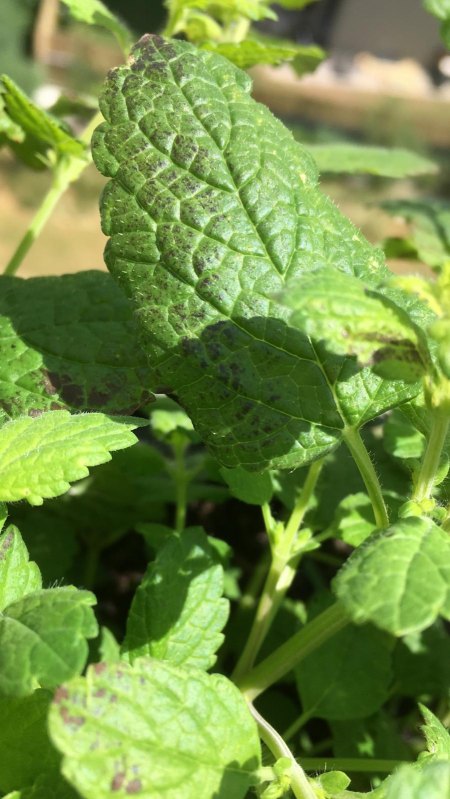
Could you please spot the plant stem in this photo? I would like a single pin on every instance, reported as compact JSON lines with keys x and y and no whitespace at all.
{"x":300,"y":785}
{"x":293,"y":651}
{"x":281,"y":573}
{"x":362,"y":764}
{"x":91,"y":566}
{"x":67,"y":170}
{"x":431,"y":459}
{"x":362,"y":459}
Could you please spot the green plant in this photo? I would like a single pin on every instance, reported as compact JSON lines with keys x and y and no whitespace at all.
{"x":294,"y":373}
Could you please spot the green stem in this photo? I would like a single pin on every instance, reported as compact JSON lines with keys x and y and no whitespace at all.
{"x":91,"y":566}
{"x":67,"y":170}
{"x":293,"y":651}
{"x":362,"y":459}
{"x":281,"y":573}
{"x":432,"y":457}
{"x":300,"y":785}
{"x":369,"y":765}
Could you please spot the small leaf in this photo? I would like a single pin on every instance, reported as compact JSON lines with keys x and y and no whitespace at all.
{"x":264,"y":50}
{"x":40,"y":457}
{"x":252,"y":488}
{"x":94,"y":12}
{"x":152,"y":729}
{"x":167,"y":418}
{"x":399,"y":578}
{"x":43,"y":639}
{"x":383,"y":161}
{"x":409,"y":782}
{"x":354,"y":520}
{"x":401,"y":438}
{"x":436,"y":736}
{"x":18,"y":576}
{"x":178,"y":611}
{"x":39,"y":131}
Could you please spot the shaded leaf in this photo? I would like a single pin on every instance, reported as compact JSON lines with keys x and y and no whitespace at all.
{"x":254,"y":489}
{"x":18,"y":576}
{"x":421,"y":663}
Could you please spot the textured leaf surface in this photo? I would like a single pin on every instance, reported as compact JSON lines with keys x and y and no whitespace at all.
{"x":18,"y":576}
{"x":43,"y":639}
{"x":155,"y":730}
{"x":40,"y":457}
{"x":36,"y":131}
{"x":383,"y":161}
{"x":94,"y":12}
{"x":212,"y":207}
{"x":436,"y":736}
{"x":178,"y":611}
{"x":266,"y":51}
{"x":68,"y":341}
{"x":399,"y":579}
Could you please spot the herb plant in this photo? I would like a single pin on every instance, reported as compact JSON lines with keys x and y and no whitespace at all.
{"x":291,"y":371}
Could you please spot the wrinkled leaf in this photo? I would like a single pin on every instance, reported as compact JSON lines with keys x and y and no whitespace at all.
{"x":178,"y":612}
{"x":18,"y":576}
{"x":399,"y":578}
{"x":41,"y":456}
{"x":142,"y":730}
{"x":355,"y":159}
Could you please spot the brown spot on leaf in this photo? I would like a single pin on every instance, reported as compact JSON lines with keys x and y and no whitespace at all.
{"x":99,"y":668}
{"x":6,"y":545}
{"x":117,"y":781}
{"x":134,"y":786}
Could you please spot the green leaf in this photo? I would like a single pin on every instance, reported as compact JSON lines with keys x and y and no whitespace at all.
{"x":178,"y":611}
{"x":18,"y":576}
{"x":43,"y":639}
{"x":155,"y":730}
{"x":441,"y":10}
{"x":421,"y":663}
{"x":211,"y":207}
{"x":293,"y":5}
{"x":254,"y":489}
{"x":94,"y":12}
{"x":50,"y":540}
{"x":167,"y":418}
{"x":31,"y":131}
{"x":430,"y":227}
{"x":40,"y":457}
{"x":69,"y":342}
{"x":379,"y":736}
{"x":49,"y":786}
{"x":399,"y":578}
{"x":401,"y":438}
{"x":355,"y":159}
{"x":264,"y":50}
{"x":354,"y":520}
{"x":436,"y":736}
{"x":430,"y":782}
{"x":337,"y":308}
{"x":349,"y":676}
{"x":26,"y":749}
{"x":109,"y":649}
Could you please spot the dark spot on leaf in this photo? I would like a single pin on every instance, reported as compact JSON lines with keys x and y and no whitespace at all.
{"x":6,"y":545}
{"x":99,"y":693}
{"x":99,"y":668}
{"x":117,"y":781}
{"x":134,"y":786}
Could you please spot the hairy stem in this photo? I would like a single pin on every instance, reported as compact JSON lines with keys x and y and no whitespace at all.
{"x":432,"y":457}
{"x":300,"y":785}
{"x":362,"y":459}
{"x":281,"y":573}
{"x":293,"y":651}
{"x":66,"y":171}
{"x":362,"y":764}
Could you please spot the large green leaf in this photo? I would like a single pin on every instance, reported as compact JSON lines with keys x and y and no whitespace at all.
{"x":399,"y":578}
{"x":155,"y":730}
{"x":41,"y":456}
{"x":43,"y":639}
{"x":355,"y":158}
{"x":94,"y":12}
{"x":212,"y":206}
{"x":18,"y":576}
{"x":178,"y":611}
{"x":68,"y":341}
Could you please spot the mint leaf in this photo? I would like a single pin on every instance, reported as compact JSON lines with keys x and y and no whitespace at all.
{"x":386,"y":162}
{"x":155,"y":730}
{"x":264,"y":50}
{"x":26,"y":749}
{"x":409,"y":782}
{"x":436,"y":736}
{"x":94,"y":12}
{"x":69,"y":341}
{"x":178,"y":611}
{"x":399,"y":578}
{"x":18,"y":576}
{"x":32,"y":132}
{"x":212,"y":206}
{"x":40,"y":457}
{"x":43,"y":639}
{"x":255,"y":489}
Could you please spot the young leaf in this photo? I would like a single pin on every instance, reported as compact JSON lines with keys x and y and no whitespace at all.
{"x":94,"y":12}
{"x":18,"y":576}
{"x":211,"y":207}
{"x":40,"y":457}
{"x":39,"y":131}
{"x":178,"y":611}
{"x":155,"y":730}
{"x":255,"y":489}
{"x":43,"y":639}
{"x":409,"y":782}
{"x":337,"y":308}
{"x":399,"y":578}
{"x":69,"y":342}
{"x":436,"y":736}
{"x":264,"y":50}
{"x":383,"y":161}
